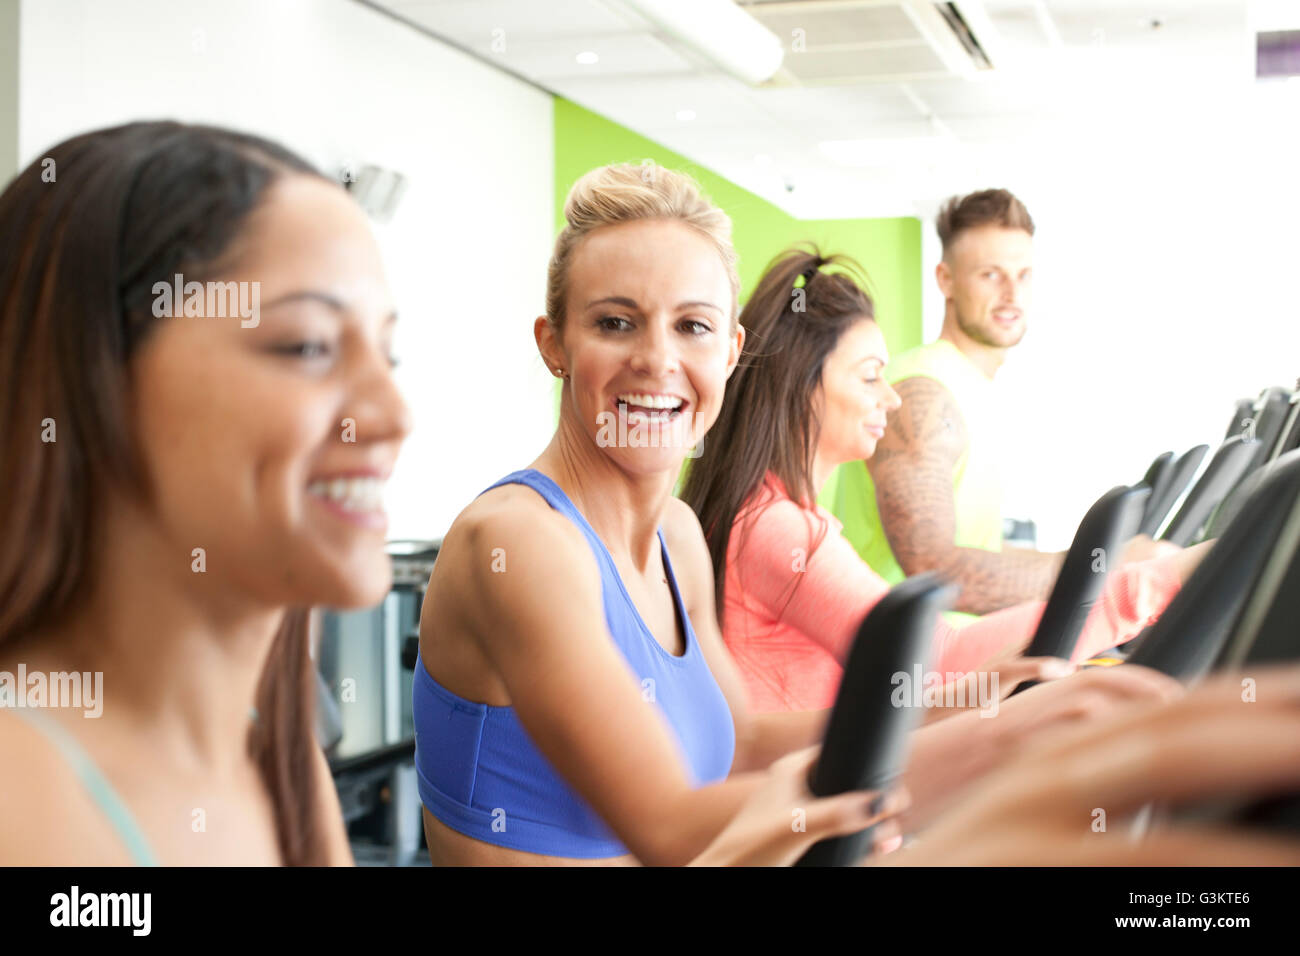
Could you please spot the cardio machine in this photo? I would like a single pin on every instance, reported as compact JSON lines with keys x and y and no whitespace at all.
{"x":1187,"y":639}
{"x":865,"y":747}
{"x":866,"y":739}
{"x":1250,"y":444}
{"x":1110,"y":522}
{"x":1266,"y":633}
{"x":1167,"y":484}
{"x":1239,"y":611}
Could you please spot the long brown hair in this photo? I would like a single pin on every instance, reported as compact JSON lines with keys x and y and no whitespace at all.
{"x":793,"y":320}
{"x":85,"y":232}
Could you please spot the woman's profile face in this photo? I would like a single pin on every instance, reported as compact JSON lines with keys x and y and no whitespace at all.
{"x":854,"y":399}
{"x":648,"y":341}
{"x":267,"y":443}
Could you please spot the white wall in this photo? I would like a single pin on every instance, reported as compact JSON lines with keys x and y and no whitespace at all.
{"x":1166,"y":258}
{"x":8,"y":89}
{"x":345,"y":85}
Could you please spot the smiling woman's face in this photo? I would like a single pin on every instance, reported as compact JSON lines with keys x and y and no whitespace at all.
{"x":267,"y":446}
{"x":854,"y":399}
{"x":648,"y":341}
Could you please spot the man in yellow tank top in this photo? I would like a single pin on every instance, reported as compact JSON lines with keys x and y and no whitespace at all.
{"x":932,"y":499}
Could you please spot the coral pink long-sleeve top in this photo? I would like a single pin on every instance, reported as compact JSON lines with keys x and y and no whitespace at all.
{"x":793,"y":604}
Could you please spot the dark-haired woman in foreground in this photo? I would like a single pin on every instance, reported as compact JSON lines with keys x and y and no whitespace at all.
{"x":192,"y":496}
{"x":808,"y":396}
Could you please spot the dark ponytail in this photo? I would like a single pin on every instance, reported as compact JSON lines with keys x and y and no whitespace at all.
{"x":793,"y":320}
{"x":85,"y":232}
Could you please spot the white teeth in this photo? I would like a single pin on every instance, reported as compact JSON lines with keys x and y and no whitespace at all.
{"x":353,"y":494}
{"x":651,"y":401}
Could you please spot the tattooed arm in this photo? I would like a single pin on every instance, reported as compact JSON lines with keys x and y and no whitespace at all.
{"x":912,"y":470}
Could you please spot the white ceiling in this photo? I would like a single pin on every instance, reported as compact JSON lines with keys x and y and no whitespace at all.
{"x":1065,"y":69}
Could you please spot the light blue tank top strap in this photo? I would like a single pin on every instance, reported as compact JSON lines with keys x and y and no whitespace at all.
{"x":100,"y":790}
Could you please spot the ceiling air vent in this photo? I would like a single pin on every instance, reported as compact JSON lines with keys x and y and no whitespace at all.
{"x":961,"y":30}
{"x":856,"y":41}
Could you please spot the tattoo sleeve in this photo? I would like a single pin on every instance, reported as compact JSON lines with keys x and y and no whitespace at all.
{"x":912,"y":470}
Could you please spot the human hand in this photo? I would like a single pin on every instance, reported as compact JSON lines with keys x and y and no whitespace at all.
{"x":1066,"y":802}
{"x":781,"y":819}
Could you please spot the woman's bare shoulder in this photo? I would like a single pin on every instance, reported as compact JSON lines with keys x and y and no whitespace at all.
{"x":505,"y":559}
{"x":505,"y":519}
{"x":682,"y":531}
{"x":49,"y":817}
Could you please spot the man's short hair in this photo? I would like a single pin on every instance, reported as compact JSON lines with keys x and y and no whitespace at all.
{"x":988,"y":207}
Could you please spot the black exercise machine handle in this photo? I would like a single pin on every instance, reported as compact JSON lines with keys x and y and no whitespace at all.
{"x":1228,"y":466}
{"x":1188,"y":638}
{"x":1176,"y":479}
{"x":865,"y":746}
{"x":1157,"y":479}
{"x":1109,"y":523}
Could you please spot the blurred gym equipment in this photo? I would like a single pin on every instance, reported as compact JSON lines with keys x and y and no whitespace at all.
{"x":366,"y":660}
{"x":865,"y":747}
{"x":1110,"y":522}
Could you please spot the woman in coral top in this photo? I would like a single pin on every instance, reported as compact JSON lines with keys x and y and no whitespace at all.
{"x":808,"y":396}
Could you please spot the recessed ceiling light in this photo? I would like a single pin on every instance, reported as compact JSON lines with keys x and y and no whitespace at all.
{"x":686,"y":115}
{"x":587,"y":57}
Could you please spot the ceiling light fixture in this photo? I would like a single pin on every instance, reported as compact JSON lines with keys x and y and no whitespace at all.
{"x":686,"y":115}
{"x":587,"y":58}
{"x":719,"y":31}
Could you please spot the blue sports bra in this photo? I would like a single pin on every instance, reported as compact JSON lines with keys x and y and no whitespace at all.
{"x":480,"y":773}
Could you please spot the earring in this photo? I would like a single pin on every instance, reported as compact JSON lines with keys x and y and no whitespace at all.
{"x":560,"y":373}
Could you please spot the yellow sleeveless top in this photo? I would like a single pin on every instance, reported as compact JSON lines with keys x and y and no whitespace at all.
{"x":976,"y":481}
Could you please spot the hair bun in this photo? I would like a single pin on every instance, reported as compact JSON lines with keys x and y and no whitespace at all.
{"x":812,"y":270}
